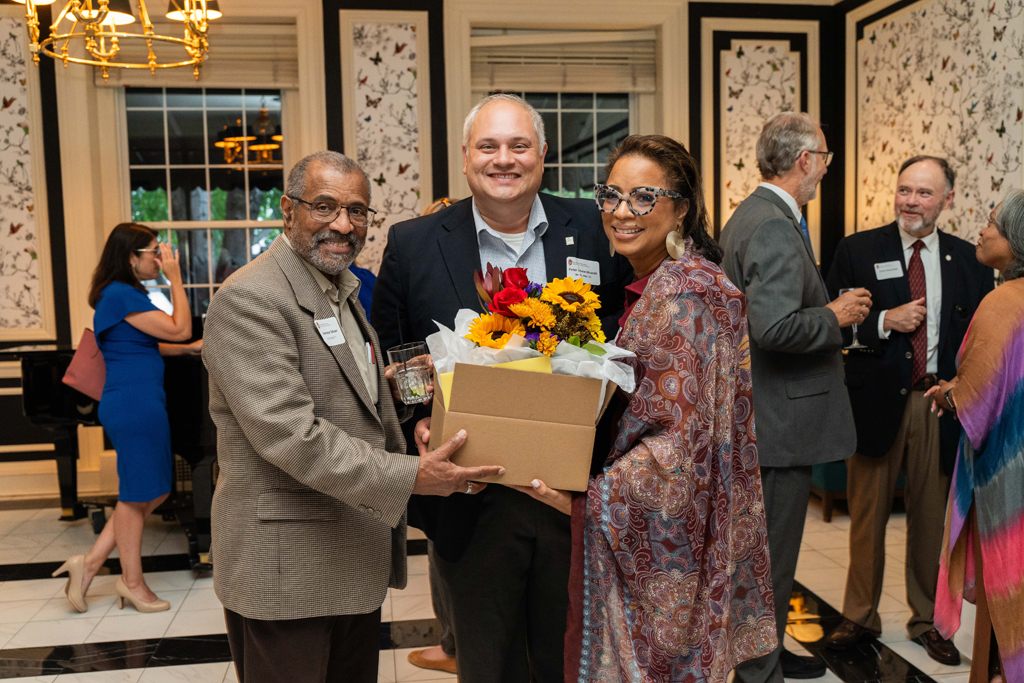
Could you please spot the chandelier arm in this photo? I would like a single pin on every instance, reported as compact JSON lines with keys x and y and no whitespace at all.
{"x":97,"y":20}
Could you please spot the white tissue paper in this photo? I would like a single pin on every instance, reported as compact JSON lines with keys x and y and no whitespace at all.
{"x":449,"y":347}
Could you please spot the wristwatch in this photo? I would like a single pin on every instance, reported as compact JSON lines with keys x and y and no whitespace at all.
{"x":949,"y":400}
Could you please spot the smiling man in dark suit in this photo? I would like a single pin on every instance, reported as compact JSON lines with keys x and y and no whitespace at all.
{"x":503,"y":555}
{"x":925,"y":286}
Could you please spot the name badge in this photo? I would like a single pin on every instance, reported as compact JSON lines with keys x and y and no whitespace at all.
{"x":330,"y":330}
{"x":582,"y":269}
{"x":888,"y":270}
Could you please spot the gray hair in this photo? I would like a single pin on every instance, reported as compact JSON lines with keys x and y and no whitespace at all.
{"x":784,"y":137}
{"x":947,"y":170}
{"x":1009,"y":220}
{"x":538,"y":122}
{"x":296,"y":186}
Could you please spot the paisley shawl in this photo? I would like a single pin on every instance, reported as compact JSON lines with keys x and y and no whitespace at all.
{"x":676,"y":577}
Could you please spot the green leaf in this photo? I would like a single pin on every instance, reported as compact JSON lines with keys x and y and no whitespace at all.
{"x":594,"y":349}
{"x":574,"y":340}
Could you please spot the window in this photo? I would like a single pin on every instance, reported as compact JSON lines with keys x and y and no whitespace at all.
{"x":582,"y":129}
{"x":205,"y":167}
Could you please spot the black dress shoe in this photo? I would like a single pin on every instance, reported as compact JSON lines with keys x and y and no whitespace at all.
{"x":847,"y":634}
{"x":938,"y":648}
{"x":795,"y":666}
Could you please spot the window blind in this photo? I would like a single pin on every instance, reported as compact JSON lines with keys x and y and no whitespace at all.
{"x":581,"y":61}
{"x":244,"y":53}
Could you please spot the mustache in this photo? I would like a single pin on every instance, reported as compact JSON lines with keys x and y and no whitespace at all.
{"x":335,"y":235}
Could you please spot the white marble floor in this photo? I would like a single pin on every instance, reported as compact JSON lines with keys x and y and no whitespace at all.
{"x":35,"y":612}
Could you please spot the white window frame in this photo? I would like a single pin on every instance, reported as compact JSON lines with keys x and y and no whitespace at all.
{"x":669,"y":113}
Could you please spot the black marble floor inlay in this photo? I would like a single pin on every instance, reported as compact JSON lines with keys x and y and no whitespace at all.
{"x":151,"y":563}
{"x":43,"y":570}
{"x":175,"y":651}
{"x":869,"y":660}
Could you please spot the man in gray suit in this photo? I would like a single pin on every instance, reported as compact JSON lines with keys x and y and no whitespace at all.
{"x":801,"y":408}
{"x":309,"y":512}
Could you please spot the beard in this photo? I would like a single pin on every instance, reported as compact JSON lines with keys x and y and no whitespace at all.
{"x":329,"y":264}
{"x":918,"y":225}
{"x":808,"y":189}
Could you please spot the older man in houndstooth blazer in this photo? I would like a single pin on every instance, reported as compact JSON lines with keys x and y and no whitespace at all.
{"x":309,"y":511}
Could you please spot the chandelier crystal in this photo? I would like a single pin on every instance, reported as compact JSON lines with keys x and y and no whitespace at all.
{"x":94,"y":30}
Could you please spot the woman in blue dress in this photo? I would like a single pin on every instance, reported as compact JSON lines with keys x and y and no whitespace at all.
{"x":133,"y":409}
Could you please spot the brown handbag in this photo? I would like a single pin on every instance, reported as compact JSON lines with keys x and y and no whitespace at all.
{"x":87,"y":372}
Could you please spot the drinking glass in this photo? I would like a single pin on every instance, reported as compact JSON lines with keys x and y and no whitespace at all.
{"x":412,"y":372}
{"x":856,"y":343}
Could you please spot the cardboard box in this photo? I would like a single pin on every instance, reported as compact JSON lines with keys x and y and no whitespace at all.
{"x":535,"y":425}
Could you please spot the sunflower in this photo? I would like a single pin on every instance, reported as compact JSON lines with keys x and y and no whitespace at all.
{"x":593,"y":325}
{"x":536,"y":312}
{"x":547,"y":343}
{"x":493,"y":330}
{"x":571,"y":295}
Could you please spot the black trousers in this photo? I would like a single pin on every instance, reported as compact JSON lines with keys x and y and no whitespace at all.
{"x":343,"y":648}
{"x":509,"y":592}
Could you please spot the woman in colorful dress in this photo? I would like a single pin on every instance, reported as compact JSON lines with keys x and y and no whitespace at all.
{"x":983,"y":546}
{"x":133,"y":408}
{"x":670,"y":571}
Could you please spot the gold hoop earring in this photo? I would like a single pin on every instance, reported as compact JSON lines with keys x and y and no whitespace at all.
{"x":675,"y":245}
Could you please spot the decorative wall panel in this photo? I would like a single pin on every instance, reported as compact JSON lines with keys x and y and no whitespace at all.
{"x":25,"y":300}
{"x":946,"y":78}
{"x":758,"y":79}
{"x":384,"y":66}
{"x":750,"y":70}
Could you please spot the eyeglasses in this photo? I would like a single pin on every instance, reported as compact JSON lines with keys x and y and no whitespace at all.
{"x":328,"y":212}
{"x":154,"y":250}
{"x":827,"y":155}
{"x":640,"y":201}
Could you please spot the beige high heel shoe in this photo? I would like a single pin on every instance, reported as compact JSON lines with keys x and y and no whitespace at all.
{"x":123,"y":593}
{"x":75,"y":567}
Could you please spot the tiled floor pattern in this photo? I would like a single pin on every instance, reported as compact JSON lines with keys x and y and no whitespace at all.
{"x":35,"y":614}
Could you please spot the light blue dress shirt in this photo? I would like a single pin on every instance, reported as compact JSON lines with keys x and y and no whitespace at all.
{"x":497,"y":252}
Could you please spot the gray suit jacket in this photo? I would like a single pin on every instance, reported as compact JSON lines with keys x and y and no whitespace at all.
{"x":309,"y":511}
{"x":801,"y":407}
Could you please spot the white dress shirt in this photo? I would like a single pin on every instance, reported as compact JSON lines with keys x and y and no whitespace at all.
{"x":786,"y":197}
{"x":932,"y":262}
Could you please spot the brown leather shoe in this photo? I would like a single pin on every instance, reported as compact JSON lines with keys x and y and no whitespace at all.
{"x":847,"y":634}
{"x":416,"y":658}
{"x":938,"y":648}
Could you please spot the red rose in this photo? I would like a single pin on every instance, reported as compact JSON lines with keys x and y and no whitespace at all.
{"x":516,"y":277}
{"x":505,"y":298}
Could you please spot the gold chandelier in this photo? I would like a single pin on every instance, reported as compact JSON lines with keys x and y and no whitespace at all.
{"x":97,"y":26}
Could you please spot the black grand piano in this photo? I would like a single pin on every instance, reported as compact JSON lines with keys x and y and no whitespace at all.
{"x":51,"y":412}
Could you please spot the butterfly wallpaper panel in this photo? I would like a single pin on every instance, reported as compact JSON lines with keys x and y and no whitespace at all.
{"x":387,"y":127}
{"x":20,"y":288}
{"x":944,"y":78}
{"x":759,"y":78}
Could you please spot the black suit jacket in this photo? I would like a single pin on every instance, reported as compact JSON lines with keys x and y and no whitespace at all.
{"x":427,"y":275}
{"x":878,"y":380}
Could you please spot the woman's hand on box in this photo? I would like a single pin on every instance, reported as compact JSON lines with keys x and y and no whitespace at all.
{"x":560,"y":500}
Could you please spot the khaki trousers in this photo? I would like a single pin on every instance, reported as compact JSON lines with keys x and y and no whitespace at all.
{"x":870,"y":487}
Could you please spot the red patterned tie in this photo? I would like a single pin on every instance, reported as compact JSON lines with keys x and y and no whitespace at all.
{"x":919,"y":337}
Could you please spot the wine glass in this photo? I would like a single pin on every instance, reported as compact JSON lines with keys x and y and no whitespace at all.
{"x":856,"y":343}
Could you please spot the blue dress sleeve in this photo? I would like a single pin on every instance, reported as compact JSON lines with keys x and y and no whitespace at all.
{"x":117,"y":301}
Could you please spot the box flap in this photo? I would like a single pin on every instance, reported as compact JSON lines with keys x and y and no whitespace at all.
{"x":519,"y":395}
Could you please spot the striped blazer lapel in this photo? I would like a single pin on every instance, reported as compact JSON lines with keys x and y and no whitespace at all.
{"x":311,"y":298}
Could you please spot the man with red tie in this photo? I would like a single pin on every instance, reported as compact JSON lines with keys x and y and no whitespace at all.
{"x":925,"y":286}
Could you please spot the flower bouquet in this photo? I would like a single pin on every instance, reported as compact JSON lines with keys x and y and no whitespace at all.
{"x":499,"y":373}
{"x":543,"y":315}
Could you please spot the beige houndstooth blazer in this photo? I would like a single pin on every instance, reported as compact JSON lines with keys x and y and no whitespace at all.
{"x":309,"y":510}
